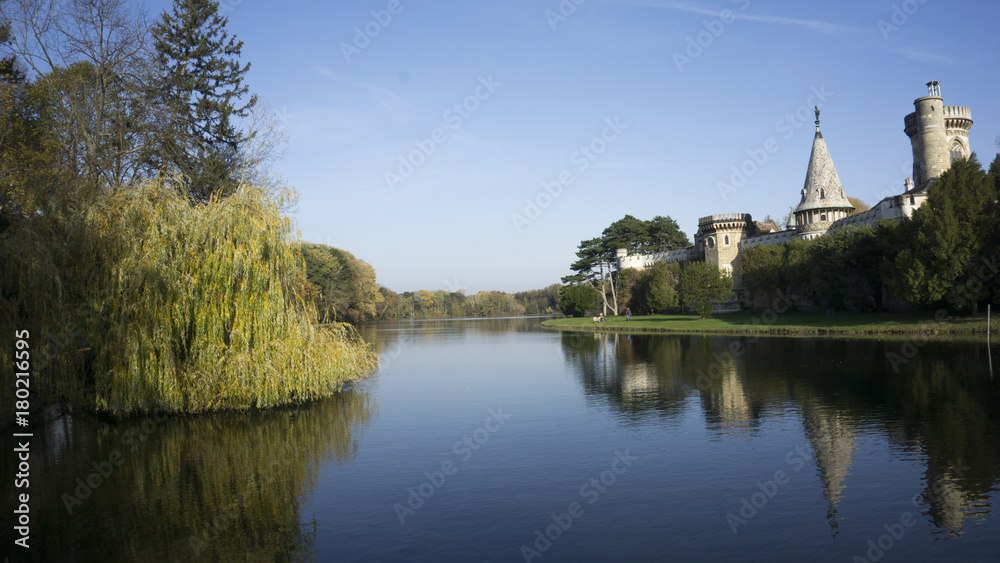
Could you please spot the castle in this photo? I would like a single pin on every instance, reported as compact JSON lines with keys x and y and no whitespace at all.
{"x":939,"y":135}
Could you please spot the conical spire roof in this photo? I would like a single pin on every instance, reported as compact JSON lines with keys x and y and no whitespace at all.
{"x":822,"y":189}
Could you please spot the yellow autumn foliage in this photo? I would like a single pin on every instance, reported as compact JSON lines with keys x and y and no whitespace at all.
{"x":186,"y":308}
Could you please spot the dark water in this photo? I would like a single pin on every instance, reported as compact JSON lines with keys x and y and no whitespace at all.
{"x":479,"y":437}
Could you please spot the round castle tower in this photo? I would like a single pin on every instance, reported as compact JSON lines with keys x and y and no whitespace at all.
{"x":823,"y":199}
{"x":939,"y":135}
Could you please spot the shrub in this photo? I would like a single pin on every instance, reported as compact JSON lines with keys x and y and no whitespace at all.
{"x":577,"y":300}
{"x":704,"y":309}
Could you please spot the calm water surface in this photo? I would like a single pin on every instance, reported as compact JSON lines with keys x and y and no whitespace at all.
{"x":493,"y":440}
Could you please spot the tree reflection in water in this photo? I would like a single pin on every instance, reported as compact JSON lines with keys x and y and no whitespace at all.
{"x":222,"y":486}
{"x":934,"y":405}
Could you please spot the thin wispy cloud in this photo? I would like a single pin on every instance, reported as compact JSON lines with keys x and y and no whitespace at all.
{"x":394,"y":105}
{"x":926,"y":58}
{"x":816,"y":25}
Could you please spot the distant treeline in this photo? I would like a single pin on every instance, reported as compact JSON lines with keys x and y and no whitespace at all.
{"x":427,"y":304}
{"x":344,"y":289}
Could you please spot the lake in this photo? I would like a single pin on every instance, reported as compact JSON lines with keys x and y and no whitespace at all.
{"x":496,"y":440}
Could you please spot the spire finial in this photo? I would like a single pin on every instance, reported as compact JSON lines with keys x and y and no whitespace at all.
{"x":817,"y":118}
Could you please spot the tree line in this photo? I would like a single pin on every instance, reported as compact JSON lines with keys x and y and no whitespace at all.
{"x":344,"y":288}
{"x":427,"y":304}
{"x":598,"y":283}
{"x":660,"y":289}
{"x":946,"y":255}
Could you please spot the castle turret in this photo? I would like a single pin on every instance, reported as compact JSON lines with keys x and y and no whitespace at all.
{"x":823,"y":199}
{"x":938,"y":134}
{"x":719,"y":237}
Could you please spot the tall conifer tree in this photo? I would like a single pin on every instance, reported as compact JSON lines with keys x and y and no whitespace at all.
{"x":200,"y":85}
{"x":944,"y":258}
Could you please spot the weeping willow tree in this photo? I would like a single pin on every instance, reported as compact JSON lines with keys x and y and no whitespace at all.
{"x":202,"y":308}
{"x":182,"y":308}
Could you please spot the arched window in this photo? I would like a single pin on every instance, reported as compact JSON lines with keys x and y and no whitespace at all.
{"x":822,"y":194}
{"x":957,"y":151}
{"x":727,"y":240}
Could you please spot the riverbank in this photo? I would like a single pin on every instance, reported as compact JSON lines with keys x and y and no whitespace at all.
{"x":848,"y":324}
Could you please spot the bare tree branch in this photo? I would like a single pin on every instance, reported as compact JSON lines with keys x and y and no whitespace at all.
{"x":94,"y":55}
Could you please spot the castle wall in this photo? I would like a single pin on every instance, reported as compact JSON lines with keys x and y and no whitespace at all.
{"x":641,"y":261}
{"x":892,"y":208}
{"x":781,"y":237}
{"x":864,"y":219}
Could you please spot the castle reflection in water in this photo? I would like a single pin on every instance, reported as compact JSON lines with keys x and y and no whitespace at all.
{"x":940,"y":407}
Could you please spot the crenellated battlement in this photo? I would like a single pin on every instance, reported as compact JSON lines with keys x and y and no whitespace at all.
{"x":957,"y":119}
{"x":725,"y":218}
{"x":957,"y":111}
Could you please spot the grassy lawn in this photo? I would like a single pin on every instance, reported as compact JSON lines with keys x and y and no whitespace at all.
{"x":790,"y":323}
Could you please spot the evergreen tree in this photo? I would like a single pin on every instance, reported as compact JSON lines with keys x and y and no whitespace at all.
{"x":577,"y":300}
{"x":199,"y":85}
{"x":665,"y":234}
{"x":995,"y":172}
{"x":948,"y":240}
{"x":991,"y":252}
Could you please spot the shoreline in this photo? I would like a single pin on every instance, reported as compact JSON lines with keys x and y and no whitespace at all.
{"x":885,"y":326}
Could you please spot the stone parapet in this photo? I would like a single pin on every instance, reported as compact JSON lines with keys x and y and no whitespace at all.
{"x":780,"y":237}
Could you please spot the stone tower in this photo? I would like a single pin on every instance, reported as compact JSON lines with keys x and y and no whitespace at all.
{"x":823,"y":199}
{"x":939,"y":135}
{"x":719,"y":237}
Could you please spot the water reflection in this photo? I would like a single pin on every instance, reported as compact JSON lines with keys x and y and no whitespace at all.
{"x":832,"y":434}
{"x":940,"y":406}
{"x":217,"y":487}
{"x":390,"y":337}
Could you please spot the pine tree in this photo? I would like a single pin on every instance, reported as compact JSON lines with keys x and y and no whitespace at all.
{"x":199,"y":85}
{"x":947,"y":245}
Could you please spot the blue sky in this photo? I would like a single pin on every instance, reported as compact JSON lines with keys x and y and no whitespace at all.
{"x":666,"y":97}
